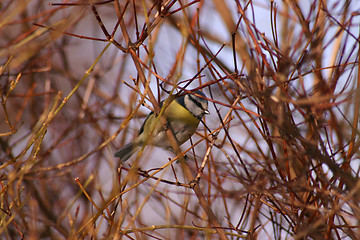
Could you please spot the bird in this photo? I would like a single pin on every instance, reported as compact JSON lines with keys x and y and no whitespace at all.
{"x":182,"y":115}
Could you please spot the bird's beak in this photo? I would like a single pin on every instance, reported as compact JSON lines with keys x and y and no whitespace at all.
{"x":207,"y":112}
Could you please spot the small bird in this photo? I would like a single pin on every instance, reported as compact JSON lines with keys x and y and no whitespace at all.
{"x":182,"y":116}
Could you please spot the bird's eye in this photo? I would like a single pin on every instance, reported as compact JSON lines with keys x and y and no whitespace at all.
{"x":197,"y":103}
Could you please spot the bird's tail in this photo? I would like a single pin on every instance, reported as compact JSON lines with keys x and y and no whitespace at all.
{"x":126,"y":151}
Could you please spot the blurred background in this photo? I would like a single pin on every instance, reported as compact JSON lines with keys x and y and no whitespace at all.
{"x":280,"y":149}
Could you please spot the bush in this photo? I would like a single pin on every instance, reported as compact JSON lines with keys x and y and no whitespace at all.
{"x":278,"y":157}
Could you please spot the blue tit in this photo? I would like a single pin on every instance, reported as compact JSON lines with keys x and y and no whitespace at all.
{"x":182,"y":116}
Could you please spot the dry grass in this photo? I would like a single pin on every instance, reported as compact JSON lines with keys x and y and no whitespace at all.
{"x":278,"y":158}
